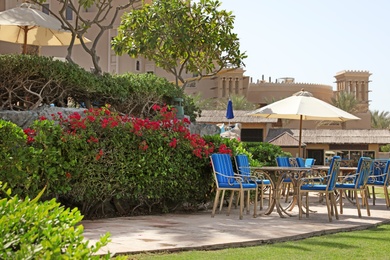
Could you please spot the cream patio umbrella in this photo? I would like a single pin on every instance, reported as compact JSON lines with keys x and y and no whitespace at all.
{"x":303,"y":106}
{"x":29,"y":26}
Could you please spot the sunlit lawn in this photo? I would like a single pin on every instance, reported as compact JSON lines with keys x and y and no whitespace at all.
{"x":366,"y":244}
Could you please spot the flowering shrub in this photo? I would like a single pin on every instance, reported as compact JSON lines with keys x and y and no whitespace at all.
{"x":100,"y":157}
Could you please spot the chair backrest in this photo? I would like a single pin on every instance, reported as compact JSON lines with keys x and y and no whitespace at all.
{"x":378,"y":169}
{"x":363,"y":171}
{"x":309,"y":162}
{"x":386,"y":171}
{"x":333,"y":172}
{"x":282,"y":162}
{"x":293,"y":162}
{"x":222,"y":164}
{"x":242,"y":164}
{"x":300,"y":161}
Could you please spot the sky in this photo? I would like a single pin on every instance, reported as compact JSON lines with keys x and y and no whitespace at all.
{"x":312,"y":40}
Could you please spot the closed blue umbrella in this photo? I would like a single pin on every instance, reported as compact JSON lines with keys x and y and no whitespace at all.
{"x":229,"y":110}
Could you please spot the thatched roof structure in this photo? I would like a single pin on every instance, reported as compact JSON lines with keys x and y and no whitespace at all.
{"x":219,"y":116}
{"x":332,"y":136}
{"x":286,"y":139}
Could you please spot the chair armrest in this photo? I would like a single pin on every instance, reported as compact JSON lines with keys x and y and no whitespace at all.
{"x":246,"y":178}
{"x":375,"y":177}
{"x":349,"y":177}
{"x":230,"y":178}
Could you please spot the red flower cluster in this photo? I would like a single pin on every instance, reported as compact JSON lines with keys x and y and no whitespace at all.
{"x":30,"y":135}
{"x":166,"y":123}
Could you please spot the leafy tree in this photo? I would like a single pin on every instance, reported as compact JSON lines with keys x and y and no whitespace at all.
{"x":380,"y":120}
{"x":103,"y":19}
{"x":181,"y":37}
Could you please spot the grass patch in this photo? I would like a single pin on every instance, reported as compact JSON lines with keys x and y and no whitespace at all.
{"x":365,"y":244}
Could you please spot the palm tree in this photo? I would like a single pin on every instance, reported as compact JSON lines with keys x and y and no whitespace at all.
{"x":239,"y":103}
{"x":380,"y":120}
{"x":347,"y":102}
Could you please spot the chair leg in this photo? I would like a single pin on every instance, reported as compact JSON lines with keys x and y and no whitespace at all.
{"x":357,"y":203}
{"x":307,"y":204}
{"x":261,"y":196}
{"x":334,"y":205}
{"x":328,"y":207}
{"x":341,"y":201}
{"x":373,"y":195}
{"x":215,"y":203}
{"x":367,"y":205}
{"x":300,"y":204}
{"x":230,"y":203}
{"x":241,"y":202}
{"x":386,"y":192}
{"x":255,"y":206}
{"x":287,"y":190}
{"x":222,"y":197}
{"x":248,"y":201}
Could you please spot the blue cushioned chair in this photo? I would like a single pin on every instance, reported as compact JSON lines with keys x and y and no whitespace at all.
{"x":327,"y":189}
{"x":226,"y":179}
{"x":379,"y":177}
{"x":300,"y":162}
{"x":309,"y":162}
{"x":243,"y":168}
{"x":285,"y":162}
{"x":357,"y":182}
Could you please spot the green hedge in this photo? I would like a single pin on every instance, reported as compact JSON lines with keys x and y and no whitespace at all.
{"x":52,"y":82}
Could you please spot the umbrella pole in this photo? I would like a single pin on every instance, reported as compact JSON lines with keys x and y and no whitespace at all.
{"x":300,"y":136}
{"x":25,"y":30}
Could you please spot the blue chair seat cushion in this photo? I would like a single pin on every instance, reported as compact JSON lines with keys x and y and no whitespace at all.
{"x":315,"y":187}
{"x":345,"y":185}
{"x":236,"y":185}
{"x":376,"y":183}
{"x":264,"y":182}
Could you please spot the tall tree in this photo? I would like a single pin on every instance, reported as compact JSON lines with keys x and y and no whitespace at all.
{"x":104,"y":16}
{"x":181,"y":37}
{"x":347,"y":102}
{"x":380,"y":120}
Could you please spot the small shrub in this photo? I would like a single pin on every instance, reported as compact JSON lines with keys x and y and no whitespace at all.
{"x":42,"y":230}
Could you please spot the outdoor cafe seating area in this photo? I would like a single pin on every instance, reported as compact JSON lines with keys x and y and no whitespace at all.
{"x":297,"y":183}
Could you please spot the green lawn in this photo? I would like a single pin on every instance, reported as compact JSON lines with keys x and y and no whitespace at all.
{"x":366,"y":244}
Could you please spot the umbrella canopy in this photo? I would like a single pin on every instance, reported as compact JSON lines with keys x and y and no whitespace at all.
{"x":229,"y":110}
{"x":28,"y":26}
{"x":303,"y":106}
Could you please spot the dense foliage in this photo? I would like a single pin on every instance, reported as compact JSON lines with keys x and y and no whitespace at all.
{"x":109,"y":162}
{"x":27,"y":82}
{"x":42,"y":230}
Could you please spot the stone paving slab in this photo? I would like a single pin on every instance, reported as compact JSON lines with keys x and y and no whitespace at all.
{"x":179,"y":232}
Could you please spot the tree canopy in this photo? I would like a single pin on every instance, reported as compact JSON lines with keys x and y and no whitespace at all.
{"x":181,"y":37}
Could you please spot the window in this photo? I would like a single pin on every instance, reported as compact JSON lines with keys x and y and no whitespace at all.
{"x":252,"y":135}
{"x":137,"y":65}
{"x":69,"y":13}
{"x":45,"y":8}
